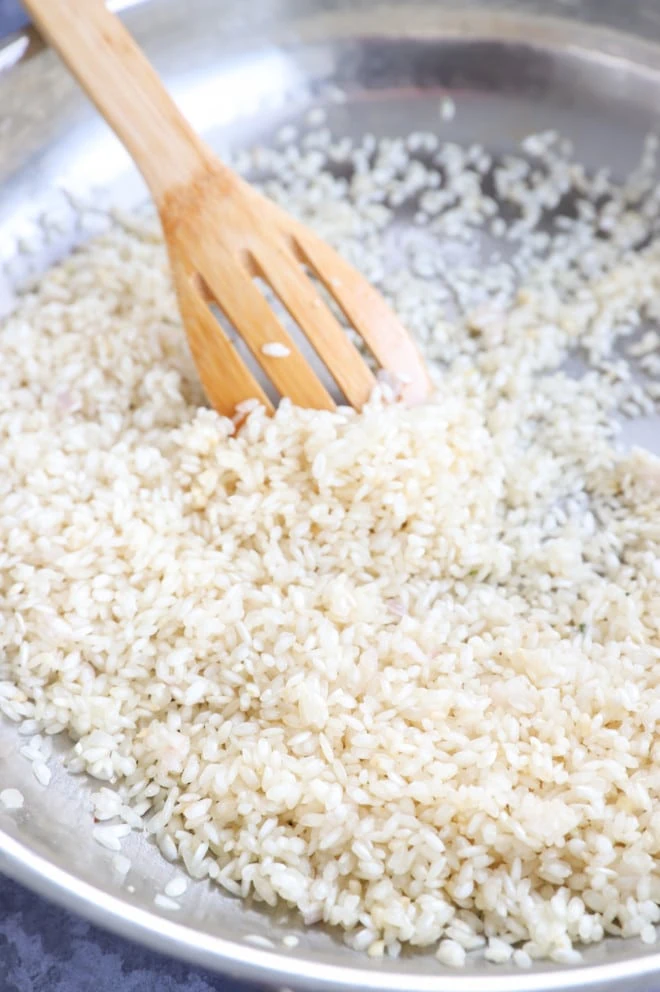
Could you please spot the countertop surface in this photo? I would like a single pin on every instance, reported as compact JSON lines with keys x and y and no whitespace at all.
{"x":11,"y":16}
{"x":45,"y":949}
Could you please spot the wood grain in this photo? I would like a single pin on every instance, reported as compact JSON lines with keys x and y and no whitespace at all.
{"x":221,"y":233}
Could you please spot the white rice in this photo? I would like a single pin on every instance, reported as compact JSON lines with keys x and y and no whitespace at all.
{"x":12,"y":799}
{"x":451,"y":954}
{"x":315,"y":117}
{"x":176,"y":887}
{"x":401,"y":669}
{"x":273,"y":349}
{"x":41,"y":772}
{"x":111,"y":836}
{"x":164,"y":902}
{"x":258,"y":941}
{"x":447,"y":109}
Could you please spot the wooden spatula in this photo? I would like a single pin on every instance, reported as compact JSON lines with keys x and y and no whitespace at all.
{"x":221,"y":234}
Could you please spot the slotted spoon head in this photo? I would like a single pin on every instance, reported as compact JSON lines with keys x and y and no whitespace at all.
{"x":222,"y":235}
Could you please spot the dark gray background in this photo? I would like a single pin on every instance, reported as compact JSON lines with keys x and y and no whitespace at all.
{"x":44,"y":949}
{"x":11,"y":16}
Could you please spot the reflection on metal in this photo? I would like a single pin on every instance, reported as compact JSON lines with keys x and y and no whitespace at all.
{"x":13,"y":52}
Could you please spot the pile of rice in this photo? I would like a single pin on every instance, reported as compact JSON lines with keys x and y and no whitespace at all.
{"x":400,"y":670}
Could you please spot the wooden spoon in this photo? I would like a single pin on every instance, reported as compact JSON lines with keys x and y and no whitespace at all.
{"x":221,"y":234}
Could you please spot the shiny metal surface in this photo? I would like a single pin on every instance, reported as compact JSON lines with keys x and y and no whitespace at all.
{"x":590,"y":68}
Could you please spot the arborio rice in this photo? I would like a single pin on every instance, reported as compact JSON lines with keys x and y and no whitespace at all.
{"x":401,"y":669}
